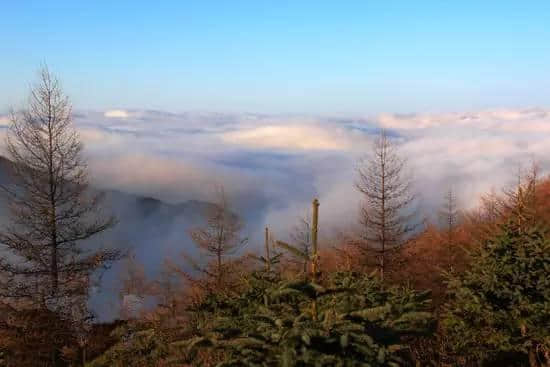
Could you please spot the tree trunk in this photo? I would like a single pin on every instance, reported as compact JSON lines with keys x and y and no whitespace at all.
{"x":382,"y":266}
{"x":314,"y":262}
{"x":267,"y":255}
{"x":533,"y":358}
{"x":53,"y":269}
{"x":219,"y":258}
{"x":383,"y":226}
{"x":84,"y":355}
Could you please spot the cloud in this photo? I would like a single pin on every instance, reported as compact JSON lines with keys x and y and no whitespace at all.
{"x":93,"y":135}
{"x":287,"y":159}
{"x":117,"y":114}
{"x":4,"y":120}
{"x":289,"y":137}
{"x":147,"y":174}
{"x":518,"y":120}
{"x":471,"y":151}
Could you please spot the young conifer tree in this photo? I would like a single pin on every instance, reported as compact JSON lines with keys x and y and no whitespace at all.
{"x":301,"y":238}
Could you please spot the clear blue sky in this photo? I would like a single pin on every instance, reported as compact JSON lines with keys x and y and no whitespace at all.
{"x":320,"y":57}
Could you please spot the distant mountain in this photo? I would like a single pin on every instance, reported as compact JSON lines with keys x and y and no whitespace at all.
{"x":130,"y":209}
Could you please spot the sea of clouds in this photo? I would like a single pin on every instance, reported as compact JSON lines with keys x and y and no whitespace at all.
{"x":273,"y":166}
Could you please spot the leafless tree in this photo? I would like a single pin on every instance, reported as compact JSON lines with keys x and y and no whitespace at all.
{"x":133,"y":278}
{"x":449,"y":218}
{"x":520,"y":201}
{"x":168,"y":288}
{"x":301,"y":239}
{"x":47,"y":258}
{"x":490,"y":207}
{"x":219,"y":237}
{"x":135,"y":287}
{"x":386,"y":214}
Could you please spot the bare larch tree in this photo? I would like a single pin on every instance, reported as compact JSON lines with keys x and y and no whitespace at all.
{"x":520,"y":202}
{"x":386,"y":213}
{"x":219,"y":237}
{"x":46,"y":254}
{"x":449,"y":218}
{"x":134,"y":287}
{"x":168,"y":288}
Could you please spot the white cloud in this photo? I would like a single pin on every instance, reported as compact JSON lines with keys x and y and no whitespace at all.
{"x":142,"y":172}
{"x":117,"y":114}
{"x":4,"y":120}
{"x":92,"y":135}
{"x":519,"y":120}
{"x":289,"y":137}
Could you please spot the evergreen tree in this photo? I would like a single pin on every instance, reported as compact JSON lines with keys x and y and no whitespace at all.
{"x":301,"y":239}
{"x":500,"y":308}
{"x":358,"y":324}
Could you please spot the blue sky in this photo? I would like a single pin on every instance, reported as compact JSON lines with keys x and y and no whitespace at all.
{"x":349,"y":57}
